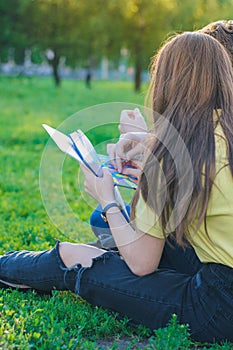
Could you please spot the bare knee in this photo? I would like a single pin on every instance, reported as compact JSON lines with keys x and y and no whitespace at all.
{"x":64,"y":250}
{"x":83,"y":254}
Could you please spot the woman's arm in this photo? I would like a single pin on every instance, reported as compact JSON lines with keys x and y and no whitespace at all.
{"x":140,"y":251}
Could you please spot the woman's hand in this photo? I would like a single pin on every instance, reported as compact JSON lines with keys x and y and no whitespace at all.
{"x":100,"y":188}
{"x":128,"y":148}
{"x":132,"y":121}
{"x":134,"y":169}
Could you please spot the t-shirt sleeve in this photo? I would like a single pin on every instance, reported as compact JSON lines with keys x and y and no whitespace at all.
{"x":146,"y":220}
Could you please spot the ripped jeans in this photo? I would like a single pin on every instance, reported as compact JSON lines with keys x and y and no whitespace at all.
{"x":200,"y":294}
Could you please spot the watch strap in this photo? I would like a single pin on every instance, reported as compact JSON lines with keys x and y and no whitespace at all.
{"x":107,"y":207}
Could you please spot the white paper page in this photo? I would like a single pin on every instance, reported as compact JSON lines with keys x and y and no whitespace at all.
{"x":62,"y":141}
{"x":87,"y":151}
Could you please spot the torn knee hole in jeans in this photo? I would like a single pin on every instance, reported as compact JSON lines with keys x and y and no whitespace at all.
{"x":78,"y":267}
{"x":81,"y":269}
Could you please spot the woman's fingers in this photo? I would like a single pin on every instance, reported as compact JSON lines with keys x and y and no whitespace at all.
{"x":132,"y":121}
{"x":132,"y":171}
{"x":111,"y":150}
{"x":100,"y":188}
{"x":128,"y":147}
{"x":135,"y":152}
{"x":116,"y":153}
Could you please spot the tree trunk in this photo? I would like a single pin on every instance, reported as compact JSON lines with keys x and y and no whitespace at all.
{"x":137,"y":77}
{"x":56,"y":76}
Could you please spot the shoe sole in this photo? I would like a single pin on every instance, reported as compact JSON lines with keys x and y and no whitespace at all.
{"x":5,"y":284}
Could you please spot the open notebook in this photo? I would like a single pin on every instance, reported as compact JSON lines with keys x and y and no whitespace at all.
{"x":78,"y":146}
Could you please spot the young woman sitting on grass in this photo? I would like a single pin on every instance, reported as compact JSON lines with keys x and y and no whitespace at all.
{"x":132,"y":121}
{"x":184,"y":197}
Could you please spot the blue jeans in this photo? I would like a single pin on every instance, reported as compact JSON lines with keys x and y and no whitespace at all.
{"x":101,"y":228}
{"x":200,"y":294}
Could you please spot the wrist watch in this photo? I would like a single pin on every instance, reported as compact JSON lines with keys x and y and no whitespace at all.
{"x":107,"y":207}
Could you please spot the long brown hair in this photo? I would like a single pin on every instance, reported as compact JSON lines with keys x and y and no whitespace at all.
{"x":223,"y":32}
{"x":191,"y":78}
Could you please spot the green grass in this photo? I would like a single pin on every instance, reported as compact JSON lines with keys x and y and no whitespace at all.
{"x":27,"y":320}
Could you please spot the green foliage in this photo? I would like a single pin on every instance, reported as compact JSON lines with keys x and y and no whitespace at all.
{"x":12,"y":38}
{"x":173,"y":337}
{"x":54,"y":322}
{"x":25,"y":104}
{"x":60,"y":321}
{"x":177,"y":337}
{"x":85,"y":31}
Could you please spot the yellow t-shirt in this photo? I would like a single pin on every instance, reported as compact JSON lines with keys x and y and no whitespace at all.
{"x":218,"y":247}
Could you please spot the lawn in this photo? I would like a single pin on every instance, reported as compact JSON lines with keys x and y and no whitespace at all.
{"x":60,"y":321}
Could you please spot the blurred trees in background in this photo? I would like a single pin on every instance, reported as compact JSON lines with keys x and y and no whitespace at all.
{"x":12,"y":37}
{"x":85,"y":32}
